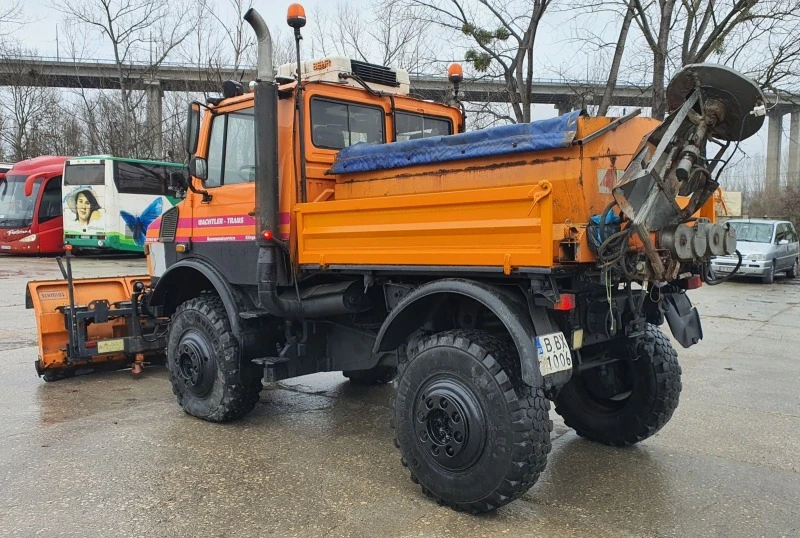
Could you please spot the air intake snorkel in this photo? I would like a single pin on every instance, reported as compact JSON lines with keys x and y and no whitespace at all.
{"x":322,"y":300}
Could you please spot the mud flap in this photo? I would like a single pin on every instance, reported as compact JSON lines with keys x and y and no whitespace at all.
{"x":683,"y":319}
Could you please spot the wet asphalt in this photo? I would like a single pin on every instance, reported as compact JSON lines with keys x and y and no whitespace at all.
{"x":110,"y":455}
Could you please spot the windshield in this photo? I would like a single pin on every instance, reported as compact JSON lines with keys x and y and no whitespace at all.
{"x":753,"y":232}
{"x":16,"y":209}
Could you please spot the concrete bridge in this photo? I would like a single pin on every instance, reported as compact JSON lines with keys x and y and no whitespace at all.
{"x":563,"y":94}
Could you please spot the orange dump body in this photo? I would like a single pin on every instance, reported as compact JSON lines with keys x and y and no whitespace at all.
{"x":504,"y":212}
{"x":47,"y":297}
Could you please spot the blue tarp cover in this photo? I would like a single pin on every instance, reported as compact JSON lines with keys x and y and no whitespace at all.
{"x":539,"y":135}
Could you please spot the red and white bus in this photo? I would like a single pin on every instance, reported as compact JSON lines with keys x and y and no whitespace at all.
{"x":30,"y":207}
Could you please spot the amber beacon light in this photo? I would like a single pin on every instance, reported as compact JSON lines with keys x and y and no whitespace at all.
{"x":296,"y":16}
{"x":455,"y":74}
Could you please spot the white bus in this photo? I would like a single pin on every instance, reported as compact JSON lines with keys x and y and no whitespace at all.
{"x":110,"y":201}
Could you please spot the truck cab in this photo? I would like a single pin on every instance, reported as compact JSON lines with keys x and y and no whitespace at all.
{"x":371,"y":105}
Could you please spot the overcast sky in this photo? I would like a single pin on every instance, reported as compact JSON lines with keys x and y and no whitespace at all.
{"x":554,"y":45}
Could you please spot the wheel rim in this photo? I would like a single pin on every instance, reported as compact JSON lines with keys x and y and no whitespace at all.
{"x":195,"y":363}
{"x":449,"y":424}
{"x":610,"y":387}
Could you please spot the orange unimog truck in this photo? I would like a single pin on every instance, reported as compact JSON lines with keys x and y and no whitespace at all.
{"x":340,"y":224}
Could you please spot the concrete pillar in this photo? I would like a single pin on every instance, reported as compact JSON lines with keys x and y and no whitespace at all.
{"x":154,"y":96}
{"x":774,"y":134}
{"x":794,"y":148}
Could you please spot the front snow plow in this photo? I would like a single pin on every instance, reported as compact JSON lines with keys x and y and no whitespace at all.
{"x":79,"y":332}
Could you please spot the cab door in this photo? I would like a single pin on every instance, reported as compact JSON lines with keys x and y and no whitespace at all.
{"x":50,"y":224}
{"x":223,"y":227}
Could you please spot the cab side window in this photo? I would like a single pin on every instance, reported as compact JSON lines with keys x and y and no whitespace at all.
{"x":413,"y":126}
{"x":50,"y":206}
{"x":337,"y":124}
{"x":231,"y":149}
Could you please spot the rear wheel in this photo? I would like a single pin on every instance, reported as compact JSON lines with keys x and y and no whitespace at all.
{"x":473,"y":435}
{"x":628,"y":400}
{"x":203,"y":359}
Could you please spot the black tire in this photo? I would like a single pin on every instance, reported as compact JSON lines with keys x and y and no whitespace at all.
{"x":792,"y":273}
{"x":203,"y":361}
{"x":378,"y":375}
{"x":492,"y":447}
{"x":631,"y":410}
{"x":770,"y":277}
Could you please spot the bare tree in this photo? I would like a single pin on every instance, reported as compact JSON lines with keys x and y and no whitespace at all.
{"x":616,"y":62}
{"x":706,"y":29}
{"x":10,"y":14}
{"x":502,"y":36}
{"x":387,"y":33}
{"x":126,"y":26}
{"x":240,"y":37}
{"x":26,"y":99}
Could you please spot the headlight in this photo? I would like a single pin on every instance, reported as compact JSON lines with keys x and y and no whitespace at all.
{"x":28,"y":239}
{"x":756,"y":257}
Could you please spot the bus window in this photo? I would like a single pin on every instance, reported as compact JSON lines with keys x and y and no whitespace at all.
{"x":336,"y":124}
{"x":16,"y":209}
{"x":412,"y":126}
{"x":231,"y":149}
{"x":139,"y":178}
{"x":50,"y":206}
{"x":77,"y":173}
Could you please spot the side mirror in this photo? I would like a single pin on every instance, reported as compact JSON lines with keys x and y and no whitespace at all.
{"x":192,"y":128}
{"x":29,"y":184}
{"x":198,"y":167}
{"x":783,"y":242}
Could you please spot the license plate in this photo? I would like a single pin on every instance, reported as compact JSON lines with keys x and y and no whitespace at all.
{"x":110,"y":346}
{"x":724,"y":269}
{"x":5,"y":247}
{"x":554,"y":353}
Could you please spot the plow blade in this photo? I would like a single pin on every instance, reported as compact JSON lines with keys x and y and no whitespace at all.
{"x":104,"y":329}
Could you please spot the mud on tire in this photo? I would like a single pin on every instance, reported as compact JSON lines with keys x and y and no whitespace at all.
{"x":203,"y":361}
{"x":472,"y":434}
{"x":651,"y":387}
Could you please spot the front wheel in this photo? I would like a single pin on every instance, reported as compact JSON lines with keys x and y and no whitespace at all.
{"x":792,"y":273}
{"x":203,"y":359}
{"x":626,"y":401}
{"x":769,"y":278}
{"x":473,"y":435}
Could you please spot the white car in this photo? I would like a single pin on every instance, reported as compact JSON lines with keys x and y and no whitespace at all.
{"x":768,"y":247}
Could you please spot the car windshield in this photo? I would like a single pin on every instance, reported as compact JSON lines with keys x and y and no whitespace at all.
{"x":753,"y":232}
{"x":16,"y":209}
